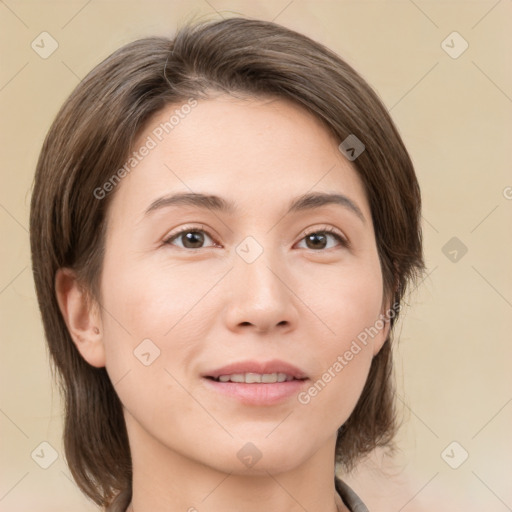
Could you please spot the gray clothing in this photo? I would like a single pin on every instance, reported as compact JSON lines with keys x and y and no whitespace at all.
{"x":349,"y":497}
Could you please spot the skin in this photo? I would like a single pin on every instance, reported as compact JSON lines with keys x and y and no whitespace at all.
{"x":206,"y":307}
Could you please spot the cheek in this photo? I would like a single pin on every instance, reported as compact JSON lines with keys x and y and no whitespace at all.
{"x":154,"y":316}
{"x":152,"y":300}
{"x":345,"y":300}
{"x":346,"y":306}
{"x":152,"y":333}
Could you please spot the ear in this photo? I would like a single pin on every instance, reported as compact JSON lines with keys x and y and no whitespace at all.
{"x":82,"y":318}
{"x":384,"y":317}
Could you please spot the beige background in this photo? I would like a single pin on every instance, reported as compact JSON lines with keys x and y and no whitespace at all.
{"x":455,"y":115}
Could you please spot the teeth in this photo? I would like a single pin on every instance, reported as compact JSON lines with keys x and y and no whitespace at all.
{"x":249,"y":378}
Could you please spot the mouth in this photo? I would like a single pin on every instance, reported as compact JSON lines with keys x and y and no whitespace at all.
{"x":255,"y":378}
{"x":256,"y":383}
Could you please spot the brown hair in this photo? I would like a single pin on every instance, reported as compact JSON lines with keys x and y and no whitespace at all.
{"x":92,"y":136}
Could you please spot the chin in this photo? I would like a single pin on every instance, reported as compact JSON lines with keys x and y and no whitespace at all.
{"x":258,"y":457}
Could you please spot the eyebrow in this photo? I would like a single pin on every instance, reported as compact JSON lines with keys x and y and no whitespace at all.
{"x":305,"y":202}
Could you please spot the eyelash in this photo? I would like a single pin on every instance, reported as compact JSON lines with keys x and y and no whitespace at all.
{"x":326,"y":230}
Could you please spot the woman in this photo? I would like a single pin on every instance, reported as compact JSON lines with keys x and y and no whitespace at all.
{"x":223,"y":226}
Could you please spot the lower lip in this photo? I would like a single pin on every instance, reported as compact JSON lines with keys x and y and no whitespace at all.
{"x":257,"y":393}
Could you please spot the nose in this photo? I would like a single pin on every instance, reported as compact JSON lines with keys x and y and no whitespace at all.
{"x":259,"y":297}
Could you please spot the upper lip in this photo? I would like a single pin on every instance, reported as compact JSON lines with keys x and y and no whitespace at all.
{"x":261,"y":367}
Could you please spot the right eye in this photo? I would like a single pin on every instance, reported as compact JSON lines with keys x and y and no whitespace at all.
{"x":191,"y":238}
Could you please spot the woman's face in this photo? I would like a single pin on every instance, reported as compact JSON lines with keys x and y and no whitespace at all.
{"x":189,"y":287}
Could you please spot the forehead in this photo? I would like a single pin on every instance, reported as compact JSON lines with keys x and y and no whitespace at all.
{"x":255,"y":151}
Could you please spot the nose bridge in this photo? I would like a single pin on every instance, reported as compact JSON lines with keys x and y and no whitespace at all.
{"x":258,"y":268}
{"x":259,"y":295}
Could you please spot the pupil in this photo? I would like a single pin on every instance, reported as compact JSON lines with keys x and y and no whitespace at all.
{"x":194,"y":237}
{"x":316,"y":236}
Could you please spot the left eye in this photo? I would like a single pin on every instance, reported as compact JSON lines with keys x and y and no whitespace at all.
{"x":319,"y":239}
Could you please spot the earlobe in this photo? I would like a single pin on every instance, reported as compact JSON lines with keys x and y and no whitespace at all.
{"x":383,"y":335}
{"x":384,"y":322}
{"x":379,"y":340}
{"x":82,"y":318}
